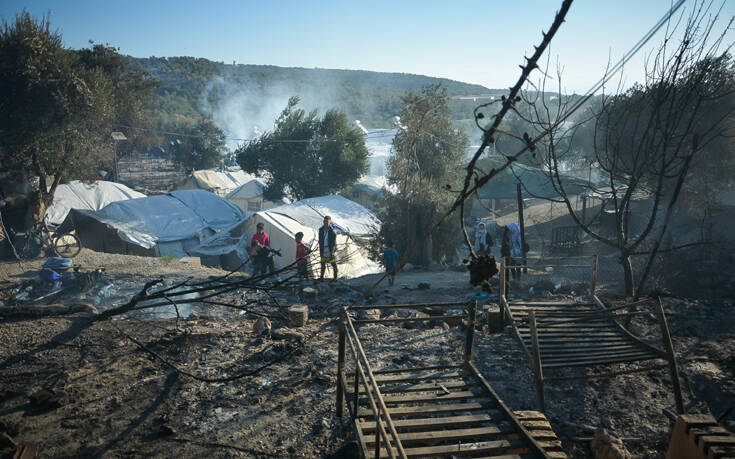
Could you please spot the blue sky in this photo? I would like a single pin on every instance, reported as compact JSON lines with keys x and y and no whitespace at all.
{"x":477,"y":42}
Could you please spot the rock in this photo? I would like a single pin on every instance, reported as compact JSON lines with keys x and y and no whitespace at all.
{"x":262,"y":326}
{"x":298,"y":315}
{"x":606,"y":446}
{"x":370,"y":314}
{"x":47,"y":398}
{"x":424,"y":286}
{"x":285,"y":333}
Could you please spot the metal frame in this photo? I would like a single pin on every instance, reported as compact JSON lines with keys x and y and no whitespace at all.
{"x":557,"y":335}
{"x":427,"y":407}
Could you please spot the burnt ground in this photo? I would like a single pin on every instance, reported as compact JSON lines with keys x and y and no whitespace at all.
{"x":113,"y":399}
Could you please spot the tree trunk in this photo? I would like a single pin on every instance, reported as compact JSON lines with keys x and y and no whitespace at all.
{"x":627,"y":274}
{"x":35,"y":210}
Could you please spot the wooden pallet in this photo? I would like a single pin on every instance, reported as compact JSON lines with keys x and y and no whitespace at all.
{"x":698,"y":436}
{"x":557,"y":334}
{"x":453,"y":412}
{"x":438,"y":411}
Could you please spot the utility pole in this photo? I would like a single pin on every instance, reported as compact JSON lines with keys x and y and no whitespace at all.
{"x":523,"y":227}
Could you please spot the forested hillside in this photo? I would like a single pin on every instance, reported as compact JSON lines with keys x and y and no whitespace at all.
{"x":247,"y":95}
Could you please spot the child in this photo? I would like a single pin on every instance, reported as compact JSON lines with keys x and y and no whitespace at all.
{"x":302,"y":252}
{"x":262,"y":258}
{"x":390,"y":258}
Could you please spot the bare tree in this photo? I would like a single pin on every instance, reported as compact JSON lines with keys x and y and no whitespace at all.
{"x":645,"y":138}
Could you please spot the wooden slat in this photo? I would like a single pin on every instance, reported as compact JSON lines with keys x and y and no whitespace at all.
{"x":639,"y":357}
{"x":419,"y":376}
{"x":500,"y":446}
{"x":440,"y":396}
{"x":431,"y":423}
{"x":592,"y":346}
{"x":423,"y":387}
{"x":452,"y":435}
{"x":432,"y":409}
{"x":583,"y":352}
{"x":551,"y":358}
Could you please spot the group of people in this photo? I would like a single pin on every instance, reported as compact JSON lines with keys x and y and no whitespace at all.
{"x":511,"y":245}
{"x":262,"y":254}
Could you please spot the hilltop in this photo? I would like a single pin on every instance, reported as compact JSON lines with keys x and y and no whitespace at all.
{"x":245,"y":95}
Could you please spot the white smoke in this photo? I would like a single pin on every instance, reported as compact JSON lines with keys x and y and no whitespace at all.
{"x":246,"y":111}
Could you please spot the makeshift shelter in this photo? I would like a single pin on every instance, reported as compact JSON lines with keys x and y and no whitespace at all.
{"x":369,"y":190}
{"x":218,"y":181}
{"x":86,"y":196}
{"x":249,"y":197}
{"x":535,"y":183}
{"x":351,"y":222}
{"x":163,"y":225}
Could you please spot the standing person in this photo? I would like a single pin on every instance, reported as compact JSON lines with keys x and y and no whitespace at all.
{"x":390,"y":258}
{"x":514,"y":247}
{"x":261,"y":236}
{"x":483,"y":240}
{"x":327,"y":247}
{"x":302,"y":252}
{"x":263,"y":260}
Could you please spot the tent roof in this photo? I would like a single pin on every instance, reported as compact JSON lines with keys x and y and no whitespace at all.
{"x":89,"y":196}
{"x":348,"y":217}
{"x":175,"y":216}
{"x":248,"y":190}
{"x":228,"y":179}
{"x":535,"y":182}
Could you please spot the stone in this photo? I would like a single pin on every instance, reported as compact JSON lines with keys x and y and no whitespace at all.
{"x":424,"y":286}
{"x":606,"y":446}
{"x":287,"y":334}
{"x":298,"y":315}
{"x":370,"y":314}
{"x":262,"y":326}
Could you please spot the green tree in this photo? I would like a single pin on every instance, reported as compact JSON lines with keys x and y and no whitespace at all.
{"x":306,"y":156}
{"x":203,"y":147}
{"x":427,"y":164}
{"x":58,"y":107}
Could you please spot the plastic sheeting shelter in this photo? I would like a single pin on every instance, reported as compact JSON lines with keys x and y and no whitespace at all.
{"x":351,"y":221}
{"x":163,"y":225}
{"x":86,"y":196}
{"x":249,"y":197}
{"x":219,"y":182}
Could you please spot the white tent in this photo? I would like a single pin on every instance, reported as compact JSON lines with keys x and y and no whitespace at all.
{"x":351,"y":221}
{"x":87,"y":196}
{"x":249,"y":197}
{"x":163,"y":225}
{"x":218,"y":181}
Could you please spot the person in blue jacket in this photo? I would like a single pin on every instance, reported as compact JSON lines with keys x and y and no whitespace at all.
{"x":390,"y":258}
{"x":327,"y":247}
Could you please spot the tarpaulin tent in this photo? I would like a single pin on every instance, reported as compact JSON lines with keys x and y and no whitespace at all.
{"x":87,"y":196}
{"x":218,"y":181}
{"x":249,"y":197}
{"x":351,"y":222}
{"x":160,"y":225}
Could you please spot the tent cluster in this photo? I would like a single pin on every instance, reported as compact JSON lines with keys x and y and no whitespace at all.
{"x":351,"y":221}
{"x":86,"y":196}
{"x":108,"y":217}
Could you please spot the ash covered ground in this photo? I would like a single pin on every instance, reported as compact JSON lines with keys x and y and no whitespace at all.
{"x":106,"y":396}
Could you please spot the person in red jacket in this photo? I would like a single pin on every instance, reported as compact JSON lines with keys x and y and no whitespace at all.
{"x":261,"y":236}
{"x":302,"y":253}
